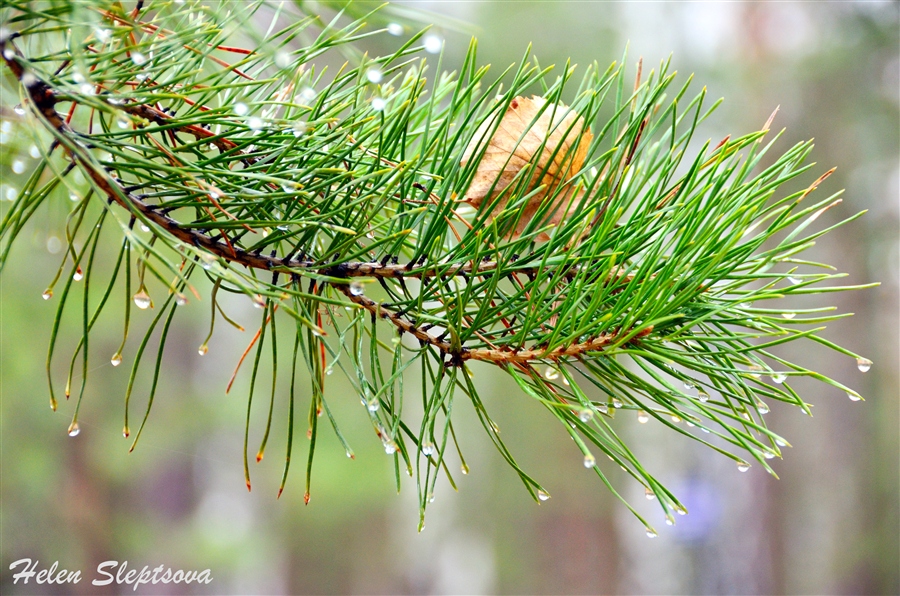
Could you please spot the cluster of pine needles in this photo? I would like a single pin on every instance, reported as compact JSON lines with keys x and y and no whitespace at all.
{"x":218,"y":155}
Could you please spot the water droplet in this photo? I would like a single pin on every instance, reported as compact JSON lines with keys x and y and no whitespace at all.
{"x":19,"y":110}
{"x":259,"y":301}
{"x":53,"y":245}
{"x":207,"y":260}
{"x":142,"y":300}
{"x":299,"y":128}
{"x":308,"y":94}
{"x":603,"y":408}
{"x":282,"y":59}
{"x":73,"y":429}
{"x":670,"y":521}
{"x":703,"y":395}
{"x":675,"y":418}
{"x":794,"y":280}
{"x":78,"y":77}
{"x":395,"y":29}
{"x":390,"y":447}
{"x":427,"y":449}
{"x":688,"y":385}
{"x":34,"y":152}
{"x":122,"y":123}
{"x":585,"y":415}
{"x":241,"y":109}
{"x":642,"y":417}
{"x":18,"y":166}
{"x":651,"y":533}
{"x":86,"y":89}
{"x":551,"y":373}
{"x":374,"y":75}
{"x":464,"y":469}
{"x":543,"y":495}
{"x":789,"y":315}
{"x":103,"y":35}
{"x":779,"y":378}
{"x":47,"y":295}
{"x":373,"y":405}
{"x":743,"y":466}
{"x":78,"y":275}
{"x":762,"y":407}
{"x":356,"y":289}
{"x":378,"y":103}
{"x":754,"y":370}
{"x":138,"y":59}
{"x":649,"y":494}
{"x":125,"y":432}
{"x":202,"y":350}
{"x":780,"y":443}
{"x":142,"y":76}
{"x":180,"y":299}
{"x":680,"y":510}
{"x":617,"y":403}
{"x":116,"y":360}
{"x":589,"y":461}
{"x":863,"y":364}
{"x":854,"y":396}
{"x":255,"y":123}
{"x":433,"y":44}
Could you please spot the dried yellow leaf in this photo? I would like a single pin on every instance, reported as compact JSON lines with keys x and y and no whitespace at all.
{"x":551,"y":139}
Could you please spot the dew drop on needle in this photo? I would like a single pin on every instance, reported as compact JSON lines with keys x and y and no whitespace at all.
{"x":142,"y":300}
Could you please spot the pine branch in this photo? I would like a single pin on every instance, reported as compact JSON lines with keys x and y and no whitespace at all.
{"x":486,"y":226}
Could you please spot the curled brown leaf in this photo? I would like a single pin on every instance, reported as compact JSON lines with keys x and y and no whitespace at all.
{"x":550,"y":139}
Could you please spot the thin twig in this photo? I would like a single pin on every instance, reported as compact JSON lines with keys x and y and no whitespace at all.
{"x":496,"y":356}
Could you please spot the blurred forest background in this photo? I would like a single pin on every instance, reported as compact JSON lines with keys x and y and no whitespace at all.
{"x":829,"y":526}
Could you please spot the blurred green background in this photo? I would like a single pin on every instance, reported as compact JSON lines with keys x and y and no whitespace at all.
{"x":829,"y":526}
